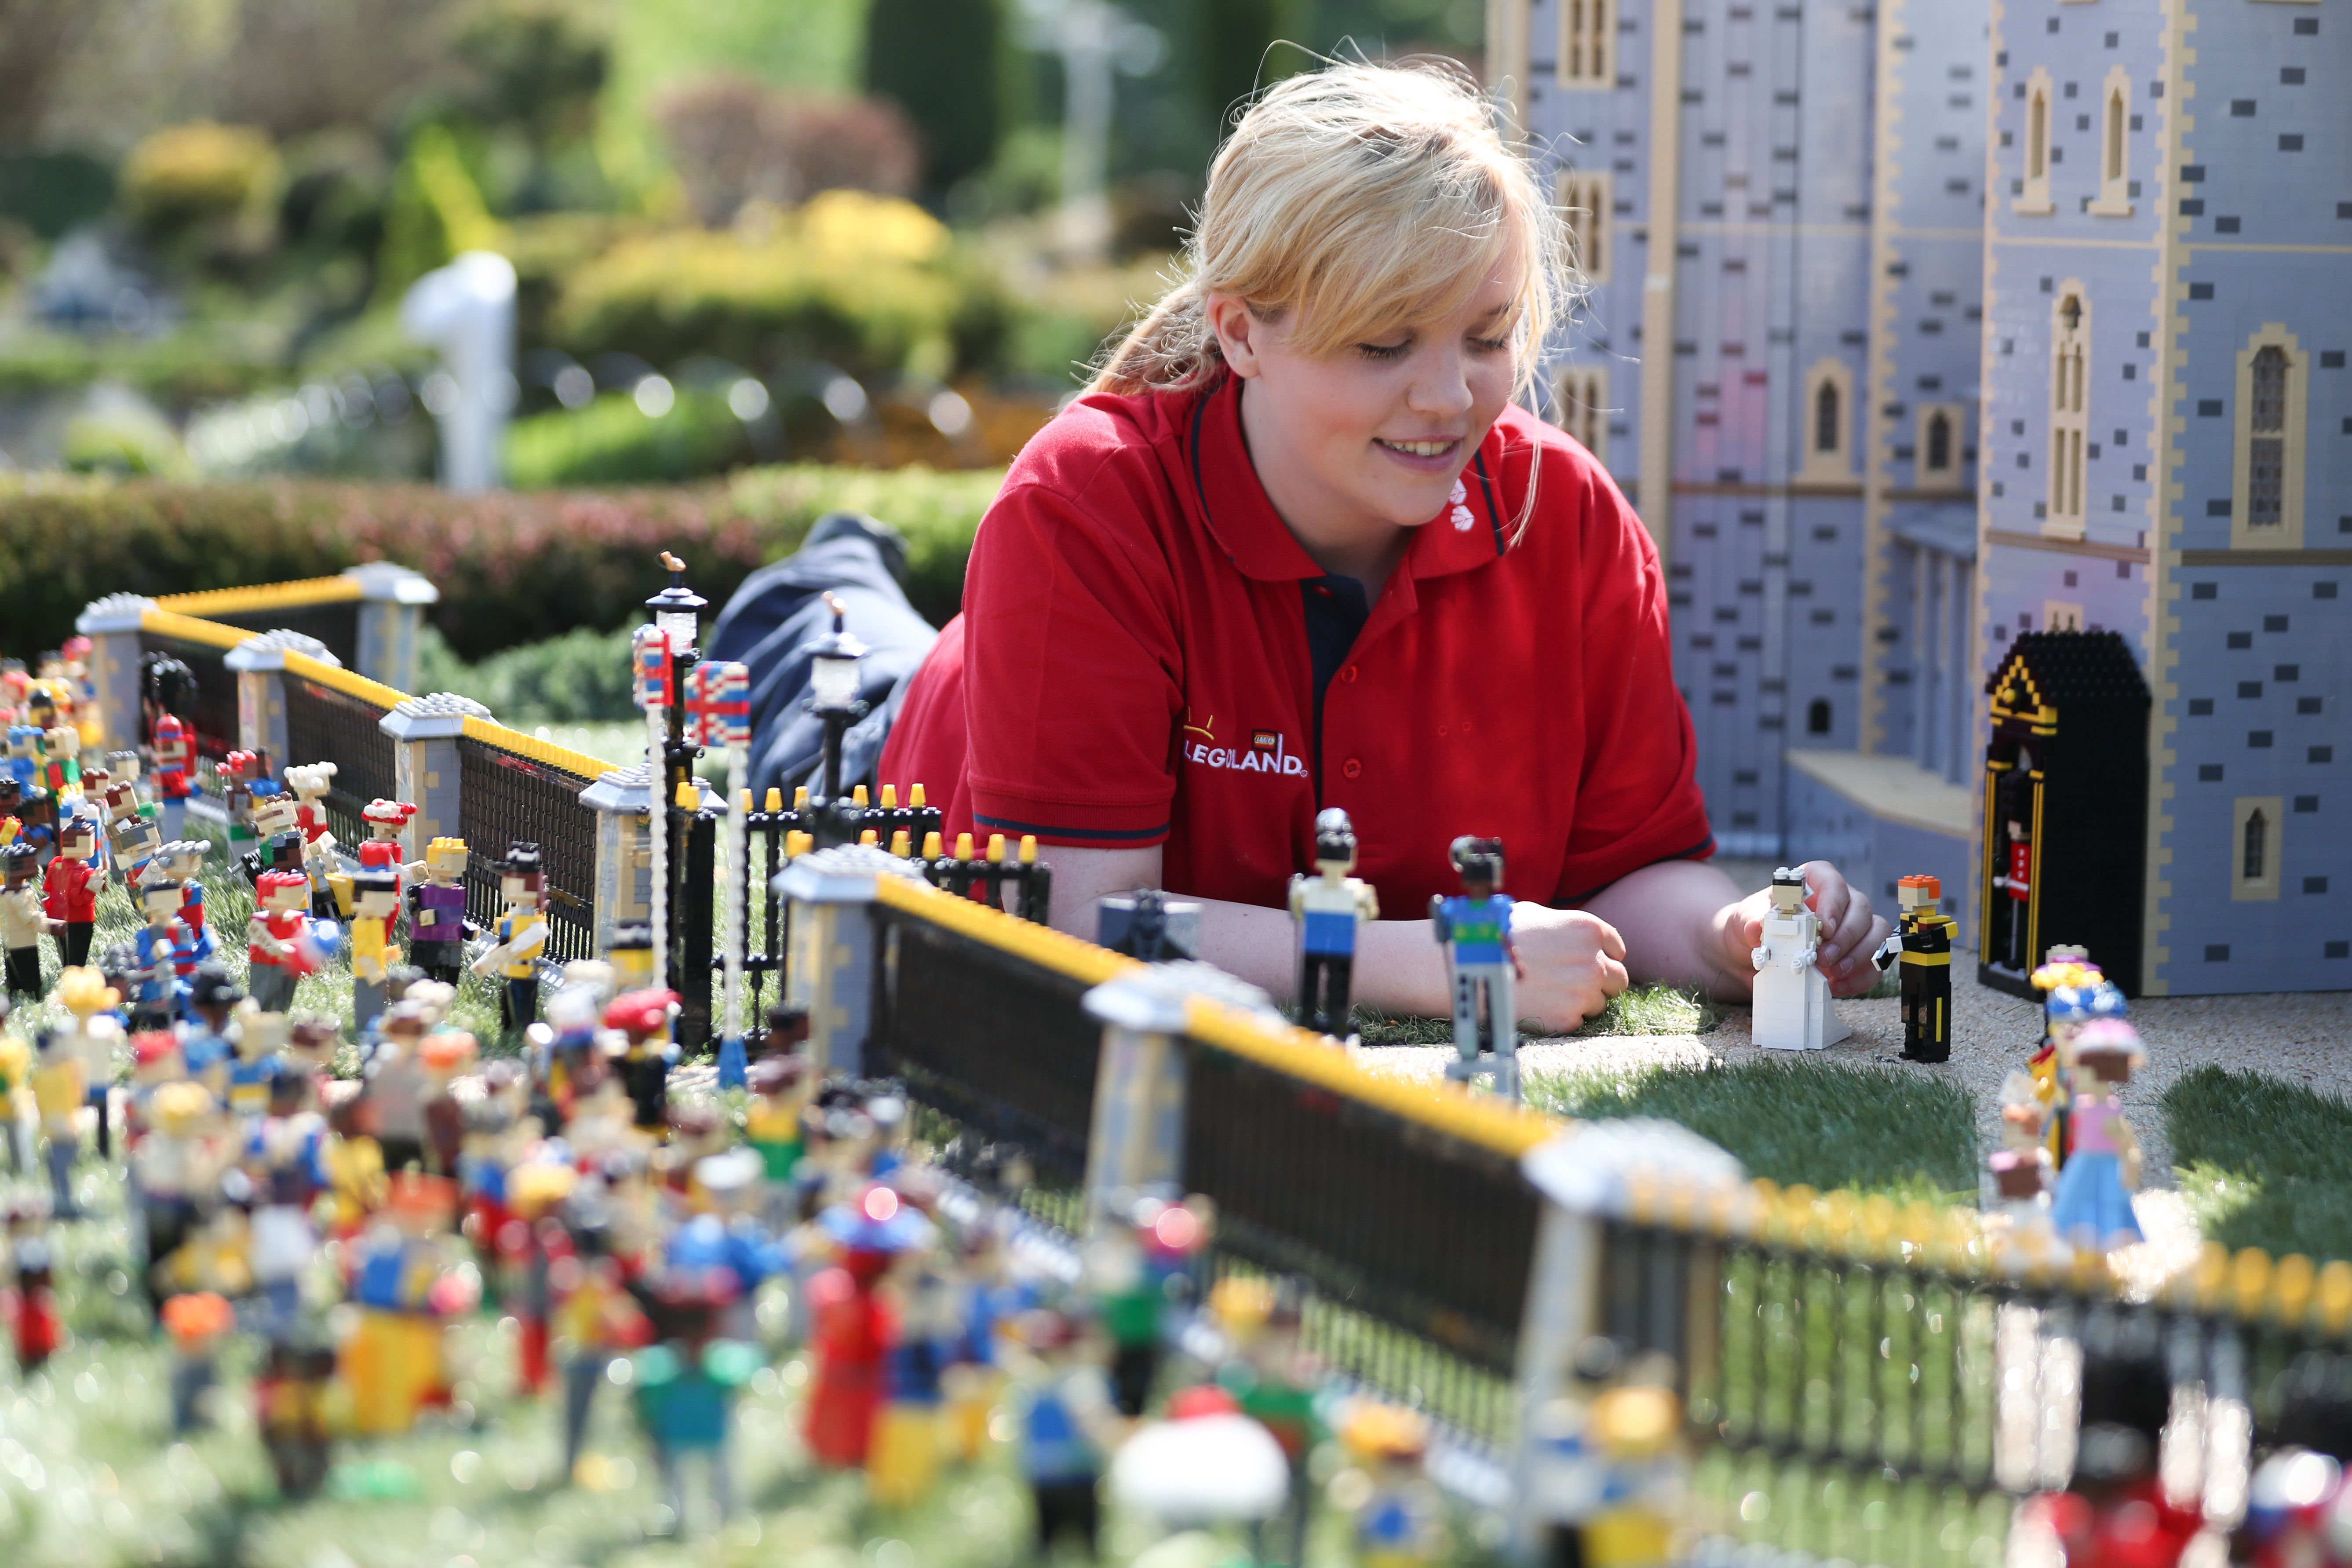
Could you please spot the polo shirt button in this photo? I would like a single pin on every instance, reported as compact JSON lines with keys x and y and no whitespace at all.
{"x":1347,"y":673}
{"x":1352,"y":768}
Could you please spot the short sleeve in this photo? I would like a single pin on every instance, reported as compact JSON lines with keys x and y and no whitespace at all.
{"x":1638,"y":800}
{"x":1073,"y":663}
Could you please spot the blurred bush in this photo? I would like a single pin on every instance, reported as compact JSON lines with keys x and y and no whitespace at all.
{"x":124,"y":441}
{"x":513,"y":568}
{"x":436,"y":210}
{"x":613,"y":441}
{"x":207,"y":189}
{"x":579,"y":678}
{"x":871,"y":284}
{"x":734,"y":141}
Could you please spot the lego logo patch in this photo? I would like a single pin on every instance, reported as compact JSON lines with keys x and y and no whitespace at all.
{"x":1266,"y":740}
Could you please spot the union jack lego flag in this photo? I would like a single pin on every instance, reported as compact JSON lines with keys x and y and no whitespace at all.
{"x":719,"y":704}
{"x":649,"y":659}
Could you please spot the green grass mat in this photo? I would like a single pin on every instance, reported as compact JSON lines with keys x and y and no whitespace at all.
{"x":1799,"y":1121}
{"x":1650,"y":1009}
{"x":2263,"y":1163}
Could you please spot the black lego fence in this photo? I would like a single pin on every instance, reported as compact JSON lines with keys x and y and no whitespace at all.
{"x":1413,"y":1240}
{"x":212,"y":712}
{"x":323,"y":724}
{"x":1830,"y":1351}
{"x":1413,"y":1226}
{"x":508,"y":797}
{"x":335,"y":623}
{"x":1000,"y":1043}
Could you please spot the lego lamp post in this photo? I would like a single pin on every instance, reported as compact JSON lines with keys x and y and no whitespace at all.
{"x":650,"y":656}
{"x":833,"y":696}
{"x":676,"y":614}
{"x":718,"y":710}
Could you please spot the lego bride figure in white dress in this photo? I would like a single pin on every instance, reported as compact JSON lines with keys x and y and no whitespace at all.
{"x":1792,"y":1011}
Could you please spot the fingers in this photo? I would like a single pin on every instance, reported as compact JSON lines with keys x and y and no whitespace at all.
{"x":1857,"y":975}
{"x":1830,"y":899}
{"x":1613,"y":945}
{"x":1852,"y":938}
{"x":1613,"y":975}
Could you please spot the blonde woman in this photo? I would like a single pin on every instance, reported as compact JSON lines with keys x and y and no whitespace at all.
{"x":1297,"y":547}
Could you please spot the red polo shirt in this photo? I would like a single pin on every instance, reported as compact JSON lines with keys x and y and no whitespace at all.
{"x":1132,"y":668}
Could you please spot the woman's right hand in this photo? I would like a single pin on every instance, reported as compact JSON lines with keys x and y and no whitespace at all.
{"x":1572,"y":962}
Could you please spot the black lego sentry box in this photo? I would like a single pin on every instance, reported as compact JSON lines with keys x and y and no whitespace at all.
{"x":2065,"y":808}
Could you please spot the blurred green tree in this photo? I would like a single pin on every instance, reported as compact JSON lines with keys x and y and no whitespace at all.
{"x":941,"y":61}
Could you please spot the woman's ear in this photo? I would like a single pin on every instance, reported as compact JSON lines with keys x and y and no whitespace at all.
{"x":1240,"y":334}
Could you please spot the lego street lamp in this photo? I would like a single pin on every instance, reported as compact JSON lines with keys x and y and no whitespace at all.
{"x":666,"y":655}
{"x":833,"y":691}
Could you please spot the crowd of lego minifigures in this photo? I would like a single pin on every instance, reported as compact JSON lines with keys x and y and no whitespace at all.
{"x":2069,"y":1163}
{"x":632,"y":1233}
{"x":272,"y":1171}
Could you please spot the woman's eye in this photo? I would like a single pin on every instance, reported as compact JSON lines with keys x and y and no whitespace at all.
{"x":1384,"y":350}
{"x":1491,"y":346}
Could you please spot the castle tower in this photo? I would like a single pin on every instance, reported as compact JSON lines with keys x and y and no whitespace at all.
{"x":2163,"y":444}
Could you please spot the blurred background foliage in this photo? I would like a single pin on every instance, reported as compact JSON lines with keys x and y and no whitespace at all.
{"x":763,"y":248}
{"x":209,"y":209}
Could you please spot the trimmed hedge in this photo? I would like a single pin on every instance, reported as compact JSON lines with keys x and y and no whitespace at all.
{"x":513,"y":568}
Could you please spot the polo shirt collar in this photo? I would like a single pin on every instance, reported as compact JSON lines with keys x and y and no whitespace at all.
{"x":1225,"y":485}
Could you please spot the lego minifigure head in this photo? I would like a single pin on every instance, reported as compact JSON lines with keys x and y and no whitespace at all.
{"x":1335,"y":842}
{"x":2072,"y":1008}
{"x":309,"y":782}
{"x":22,"y":741}
{"x":76,"y":839}
{"x":521,"y":881}
{"x":386,"y":819}
{"x":2106,"y":1053}
{"x":778,"y":1079}
{"x":289,"y":1091}
{"x":375,"y":895}
{"x":1480,"y":861}
{"x":22,"y":862}
{"x":181,"y":859}
{"x":136,"y":839}
{"x":214,"y":992}
{"x":2022,"y":1114}
{"x":444,"y":860}
{"x":64,"y":741}
{"x":446,"y":1054}
{"x":170,"y":745}
{"x":631,"y":957}
{"x":122,"y":767}
{"x":160,"y":897}
{"x":1787,"y":891}
{"x":180,"y":1110}
{"x":259,"y":1034}
{"x":156,"y":1058}
{"x":273,"y":815}
{"x":788,"y":1028}
{"x":85,"y":993}
{"x":1385,"y":1435}
{"x":311,"y":1037}
{"x":284,"y":892}
{"x":642,"y":1015}
{"x":1915,"y":893}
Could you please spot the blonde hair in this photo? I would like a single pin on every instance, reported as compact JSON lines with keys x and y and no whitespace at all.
{"x":1364,"y":197}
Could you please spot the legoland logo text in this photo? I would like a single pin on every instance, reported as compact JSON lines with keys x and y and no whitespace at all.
{"x":1267,"y":754}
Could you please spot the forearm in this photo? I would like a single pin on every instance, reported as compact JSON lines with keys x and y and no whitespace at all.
{"x":1398,"y":966}
{"x":1677,"y":918}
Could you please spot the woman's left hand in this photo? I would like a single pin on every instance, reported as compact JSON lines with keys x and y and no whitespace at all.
{"x":1850,"y":932}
